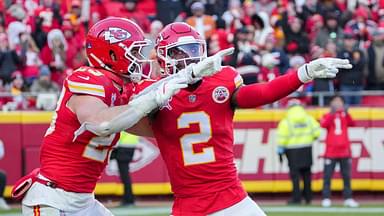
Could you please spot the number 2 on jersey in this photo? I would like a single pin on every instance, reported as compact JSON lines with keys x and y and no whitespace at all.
{"x":189,"y":140}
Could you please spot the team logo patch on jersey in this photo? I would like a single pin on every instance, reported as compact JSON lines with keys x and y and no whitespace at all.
{"x":220,"y":94}
{"x":192,"y":98}
{"x":114,"y":35}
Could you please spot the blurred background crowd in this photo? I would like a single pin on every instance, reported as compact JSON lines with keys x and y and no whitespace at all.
{"x":42,"y":41}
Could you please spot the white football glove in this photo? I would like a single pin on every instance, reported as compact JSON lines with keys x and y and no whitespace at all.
{"x":206,"y":67}
{"x":166,"y":90}
{"x":210,"y":65}
{"x":322,"y":68}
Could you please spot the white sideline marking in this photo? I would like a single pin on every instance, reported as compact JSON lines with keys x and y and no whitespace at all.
{"x":166,"y":210}
{"x":138,"y":211}
{"x":324,"y":210}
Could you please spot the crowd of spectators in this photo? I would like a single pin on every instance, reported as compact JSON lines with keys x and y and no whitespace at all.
{"x":42,"y":41}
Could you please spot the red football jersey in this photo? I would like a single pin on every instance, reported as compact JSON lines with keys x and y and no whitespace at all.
{"x":194,"y":133}
{"x":337,"y":140}
{"x":69,"y":159}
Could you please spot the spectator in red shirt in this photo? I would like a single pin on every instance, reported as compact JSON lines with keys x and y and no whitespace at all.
{"x":54,"y":54}
{"x":338,"y":150}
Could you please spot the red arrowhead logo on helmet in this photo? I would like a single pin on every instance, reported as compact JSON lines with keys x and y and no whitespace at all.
{"x":114,"y":35}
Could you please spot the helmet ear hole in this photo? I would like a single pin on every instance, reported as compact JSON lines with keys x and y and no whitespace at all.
{"x":112,"y":55}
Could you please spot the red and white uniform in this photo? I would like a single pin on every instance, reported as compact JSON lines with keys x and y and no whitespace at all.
{"x":72,"y":163}
{"x":337,"y":140}
{"x":195,"y":136}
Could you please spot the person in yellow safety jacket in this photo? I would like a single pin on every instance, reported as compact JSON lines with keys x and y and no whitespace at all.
{"x":123,"y":154}
{"x":296,"y":133}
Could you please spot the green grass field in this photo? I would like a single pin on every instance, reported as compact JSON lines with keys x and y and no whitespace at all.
{"x":369,"y":210}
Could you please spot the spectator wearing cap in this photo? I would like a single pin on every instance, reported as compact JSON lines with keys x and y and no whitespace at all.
{"x":376,"y":61}
{"x":271,"y":47}
{"x":246,"y":57}
{"x":296,"y":40}
{"x":352,"y":80}
{"x":44,"y":83}
{"x":130,"y":11}
{"x":330,"y":32}
{"x":246,"y":52}
{"x":204,"y":24}
{"x":9,"y":59}
{"x":325,"y":6}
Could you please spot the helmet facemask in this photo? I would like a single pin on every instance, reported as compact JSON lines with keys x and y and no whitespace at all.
{"x":179,"y":55}
{"x":138,"y":61}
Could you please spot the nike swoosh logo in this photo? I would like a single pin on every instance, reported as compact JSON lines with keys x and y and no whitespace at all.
{"x":84,"y":78}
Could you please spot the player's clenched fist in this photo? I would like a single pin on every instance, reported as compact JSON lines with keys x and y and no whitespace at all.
{"x":322,"y":68}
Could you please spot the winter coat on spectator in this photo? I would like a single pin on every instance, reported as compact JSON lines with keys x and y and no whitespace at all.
{"x":295,"y":42}
{"x":9,"y":61}
{"x":354,"y":76}
{"x":44,"y":83}
{"x":43,"y":86}
{"x":168,"y":10}
{"x":376,"y":66}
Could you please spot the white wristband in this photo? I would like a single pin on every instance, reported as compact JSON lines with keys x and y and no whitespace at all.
{"x":303,"y":74}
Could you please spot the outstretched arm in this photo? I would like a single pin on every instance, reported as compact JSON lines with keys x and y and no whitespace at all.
{"x":96,"y":117}
{"x":255,"y":95}
{"x":251,"y":96}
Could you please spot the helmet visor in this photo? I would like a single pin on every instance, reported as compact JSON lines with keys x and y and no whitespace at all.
{"x":186,"y":51}
{"x":185,"y":54}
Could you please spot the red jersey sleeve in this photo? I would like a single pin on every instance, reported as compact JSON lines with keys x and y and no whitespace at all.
{"x":327,"y":120}
{"x":89,"y":81}
{"x":254,"y":95}
{"x":350,"y":121}
{"x":230,"y":77}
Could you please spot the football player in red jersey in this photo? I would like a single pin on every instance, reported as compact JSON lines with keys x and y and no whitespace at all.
{"x":88,"y":118}
{"x":194,"y":131}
